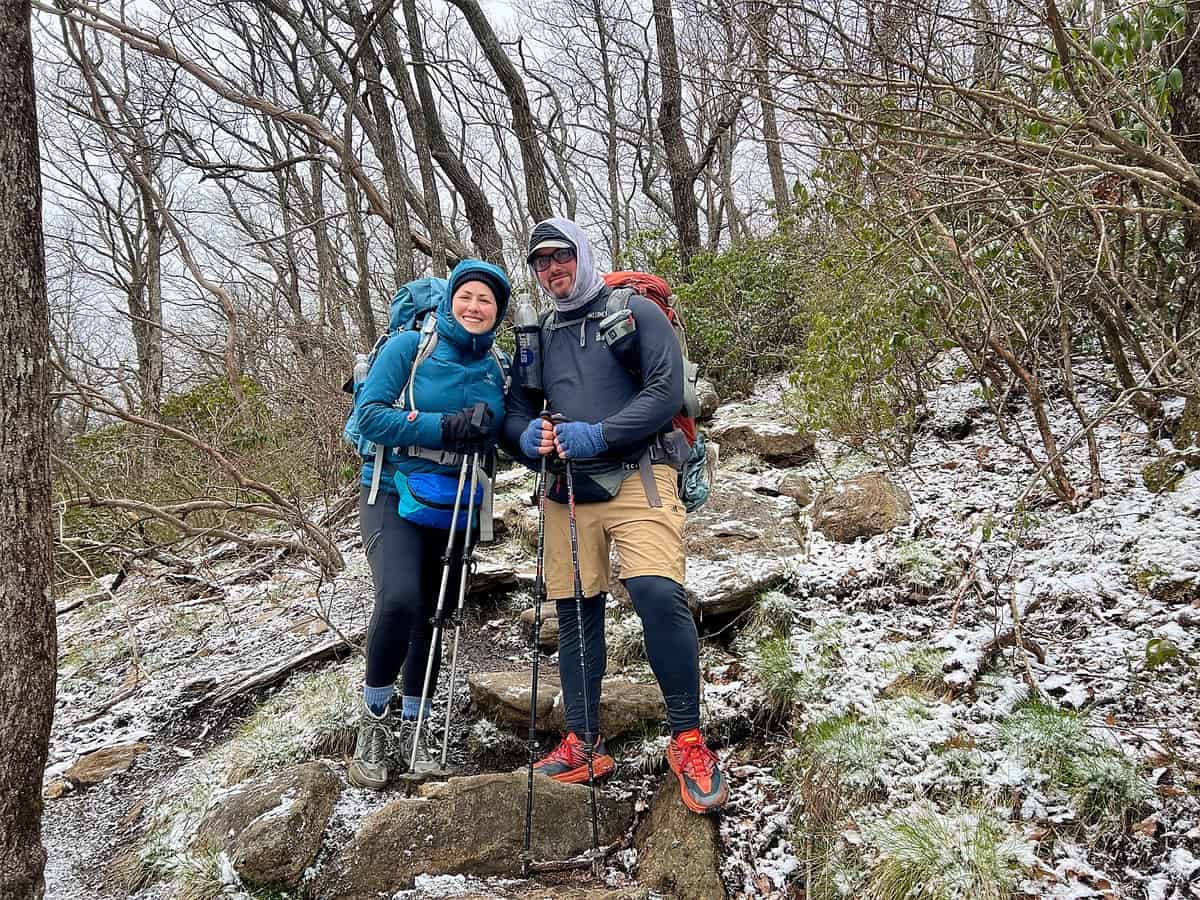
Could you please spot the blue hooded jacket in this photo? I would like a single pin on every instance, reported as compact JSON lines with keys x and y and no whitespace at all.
{"x":460,"y":372}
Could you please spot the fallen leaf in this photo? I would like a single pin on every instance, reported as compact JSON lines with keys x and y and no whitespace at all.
{"x":1148,"y":826}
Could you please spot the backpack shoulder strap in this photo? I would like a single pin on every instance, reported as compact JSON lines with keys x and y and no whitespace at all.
{"x":502,"y":363}
{"x":426,"y":344}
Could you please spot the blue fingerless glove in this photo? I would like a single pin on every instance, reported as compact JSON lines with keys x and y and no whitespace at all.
{"x":581,"y":440}
{"x":531,"y":438}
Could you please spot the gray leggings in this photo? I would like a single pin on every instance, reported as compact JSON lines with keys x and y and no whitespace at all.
{"x":406,"y":567}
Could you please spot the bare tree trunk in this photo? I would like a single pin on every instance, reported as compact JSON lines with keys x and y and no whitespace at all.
{"x":479,"y":211}
{"x":1185,"y":127}
{"x":533,"y":162}
{"x":760,"y":23}
{"x":367,"y":329}
{"x":610,"y":134}
{"x":148,"y":332}
{"x":394,"y":59}
{"x":388,"y":149}
{"x":27,"y":630}
{"x":670,"y":124}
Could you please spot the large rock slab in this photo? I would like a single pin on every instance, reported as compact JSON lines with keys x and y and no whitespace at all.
{"x":92,"y":768}
{"x":758,"y":426}
{"x":271,"y":827}
{"x":468,"y":825}
{"x":679,"y":852}
{"x":863,"y":506}
{"x":624,"y":705}
{"x":504,"y":698}
{"x":775,"y":443}
{"x":548,"y":635}
{"x":738,"y":544}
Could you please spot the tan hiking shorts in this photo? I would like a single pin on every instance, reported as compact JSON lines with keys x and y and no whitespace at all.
{"x":649,"y":539}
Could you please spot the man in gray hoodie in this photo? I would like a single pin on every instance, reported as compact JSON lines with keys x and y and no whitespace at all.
{"x":617,"y":398}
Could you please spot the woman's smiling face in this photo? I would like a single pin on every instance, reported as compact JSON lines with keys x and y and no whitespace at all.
{"x":474,"y":305}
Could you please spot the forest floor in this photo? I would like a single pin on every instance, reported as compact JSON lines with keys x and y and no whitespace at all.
{"x":994,"y":699}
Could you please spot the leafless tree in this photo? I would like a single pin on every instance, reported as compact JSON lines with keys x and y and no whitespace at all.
{"x":27,"y":626}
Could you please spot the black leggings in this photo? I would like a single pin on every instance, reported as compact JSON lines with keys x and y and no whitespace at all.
{"x":406,"y":566}
{"x":672,"y":646}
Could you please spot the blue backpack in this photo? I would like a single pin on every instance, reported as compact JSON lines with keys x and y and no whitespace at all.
{"x":413,"y":308}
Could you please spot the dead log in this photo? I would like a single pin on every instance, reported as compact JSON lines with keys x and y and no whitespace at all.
{"x":276,"y":673}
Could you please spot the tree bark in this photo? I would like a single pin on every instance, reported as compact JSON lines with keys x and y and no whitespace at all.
{"x":670,"y":124}
{"x":533,"y":162}
{"x":484,"y":233}
{"x":27,"y":627}
{"x":394,"y":59}
{"x":1185,"y":128}
{"x":761,"y":15}
{"x":610,"y":135}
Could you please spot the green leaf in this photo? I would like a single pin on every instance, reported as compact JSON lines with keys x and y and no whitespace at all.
{"x":1160,"y":651}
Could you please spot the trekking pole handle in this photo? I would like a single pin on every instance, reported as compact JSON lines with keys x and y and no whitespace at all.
{"x":478,"y":413}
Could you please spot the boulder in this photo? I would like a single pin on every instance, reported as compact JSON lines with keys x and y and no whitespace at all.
{"x":863,"y":506}
{"x":548,"y":636}
{"x":494,"y":575}
{"x":796,"y":486}
{"x":624,"y":705}
{"x":92,"y":768}
{"x":709,"y":399}
{"x":756,"y":426}
{"x":504,"y":698}
{"x":1158,"y":568}
{"x":738,"y":544}
{"x":679,"y":852}
{"x":1165,"y":473}
{"x":774,"y":443}
{"x":271,"y":826}
{"x":467,"y":825}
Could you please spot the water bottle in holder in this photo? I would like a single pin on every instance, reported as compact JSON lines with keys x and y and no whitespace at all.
{"x":527,"y":366}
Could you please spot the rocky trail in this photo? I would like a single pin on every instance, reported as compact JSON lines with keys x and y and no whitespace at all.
{"x":899,"y":670}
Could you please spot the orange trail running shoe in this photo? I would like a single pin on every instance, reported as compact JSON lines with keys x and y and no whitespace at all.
{"x":568,"y":761}
{"x":701,"y":783}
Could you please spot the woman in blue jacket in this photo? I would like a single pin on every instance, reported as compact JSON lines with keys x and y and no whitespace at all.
{"x":425,"y":425}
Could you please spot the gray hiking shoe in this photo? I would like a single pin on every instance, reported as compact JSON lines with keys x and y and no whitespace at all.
{"x":369,"y":766}
{"x":429,"y":749}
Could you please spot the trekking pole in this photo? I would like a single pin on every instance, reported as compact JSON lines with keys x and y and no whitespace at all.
{"x":589,"y":735}
{"x":539,"y":597}
{"x":437,"y":616}
{"x":465,"y":572}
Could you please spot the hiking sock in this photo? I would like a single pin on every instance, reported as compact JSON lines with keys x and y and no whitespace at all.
{"x":672,"y":646}
{"x":411,"y":708}
{"x":377,"y":698}
{"x":569,"y":675}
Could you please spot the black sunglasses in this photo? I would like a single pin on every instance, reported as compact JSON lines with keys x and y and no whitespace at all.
{"x":562,"y":255}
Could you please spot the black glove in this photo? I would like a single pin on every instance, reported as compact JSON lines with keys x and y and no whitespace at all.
{"x":468,"y":430}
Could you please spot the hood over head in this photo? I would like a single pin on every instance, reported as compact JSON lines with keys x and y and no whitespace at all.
{"x":557,"y":232}
{"x":473,"y":270}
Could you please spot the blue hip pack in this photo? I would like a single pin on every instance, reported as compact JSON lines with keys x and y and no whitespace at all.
{"x":427,"y":499}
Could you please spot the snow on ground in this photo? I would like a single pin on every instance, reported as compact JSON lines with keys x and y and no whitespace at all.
{"x":1108,"y":592}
